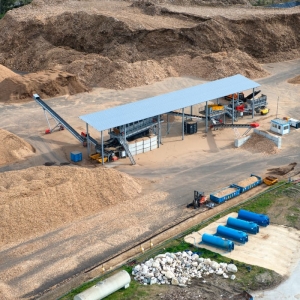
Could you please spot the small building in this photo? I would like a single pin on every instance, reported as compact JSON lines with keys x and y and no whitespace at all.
{"x":280,"y":126}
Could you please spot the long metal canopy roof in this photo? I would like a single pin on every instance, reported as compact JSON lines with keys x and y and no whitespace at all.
{"x":150,"y":107}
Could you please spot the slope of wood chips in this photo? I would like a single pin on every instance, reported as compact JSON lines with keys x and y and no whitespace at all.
{"x":259,"y":144}
{"x":13,"y":148}
{"x":295,"y":80}
{"x":5,"y":73}
{"x":40,"y":199}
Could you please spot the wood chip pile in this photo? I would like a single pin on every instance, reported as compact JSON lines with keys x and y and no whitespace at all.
{"x":225,"y":192}
{"x":247,"y":181}
{"x":295,"y":80}
{"x":40,"y":199}
{"x":153,"y":49}
{"x":6,"y":73}
{"x":260,"y":144}
{"x":13,"y":148}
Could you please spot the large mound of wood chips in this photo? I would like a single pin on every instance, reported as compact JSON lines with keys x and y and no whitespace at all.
{"x":39,"y":199}
{"x":13,"y":148}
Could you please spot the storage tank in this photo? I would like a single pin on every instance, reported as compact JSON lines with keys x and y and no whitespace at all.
{"x":106,"y":287}
{"x":217,"y":241}
{"x":233,"y":234}
{"x":259,"y":219}
{"x":242,"y":225}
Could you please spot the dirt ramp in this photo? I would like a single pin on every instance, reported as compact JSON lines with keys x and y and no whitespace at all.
{"x":41,"y":199}
{"x":13,"y":148}
{"x":47,"y":84}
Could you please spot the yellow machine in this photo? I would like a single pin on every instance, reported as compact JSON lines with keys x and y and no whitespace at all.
{"x":264,"y":111}
{"x":270,"y":180}
{"x":98,"y":158}
{"x":216,"y":107}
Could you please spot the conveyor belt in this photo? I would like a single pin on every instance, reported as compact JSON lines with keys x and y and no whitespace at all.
{"x":222,"y":125}
{"x":58,"y":118}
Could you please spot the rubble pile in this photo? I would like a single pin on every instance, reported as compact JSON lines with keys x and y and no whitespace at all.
{"x":179,"y":268}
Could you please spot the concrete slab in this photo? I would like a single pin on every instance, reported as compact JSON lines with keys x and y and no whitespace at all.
{"x":275,"y":247}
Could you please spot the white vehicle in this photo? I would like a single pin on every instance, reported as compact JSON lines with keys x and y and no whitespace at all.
{"x":294,"y":123}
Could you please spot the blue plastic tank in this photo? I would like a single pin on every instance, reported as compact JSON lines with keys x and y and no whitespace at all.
{"x":242,"y":225}
{"x":233,"y":234}
{"x":217,"y":242}
{"x":259,"y":219}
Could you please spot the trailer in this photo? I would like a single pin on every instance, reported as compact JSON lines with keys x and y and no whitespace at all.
{"x":294,"y":123}
{"x":225,"y":194}
{"x":249,"y":183}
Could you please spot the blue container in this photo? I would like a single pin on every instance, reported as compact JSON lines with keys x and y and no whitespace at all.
{"x":76,"y":156}
{"x":221,"y":199}
{"x":259,"y":219}
{"x":250,"y":186}
{"x":217,"y":242}
{"x":242,"y":225}
{"x":233,"y":234}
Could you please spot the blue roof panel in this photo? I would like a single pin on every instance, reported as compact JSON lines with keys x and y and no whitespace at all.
{"x":164,"y":103}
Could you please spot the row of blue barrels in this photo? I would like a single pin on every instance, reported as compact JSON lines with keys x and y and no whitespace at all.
{"x":235,"y":190}
{"x":236,"y":230}
{"x":259,"y":219}
{"x":217,"y":242}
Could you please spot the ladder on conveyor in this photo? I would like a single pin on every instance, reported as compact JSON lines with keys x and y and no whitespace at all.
{"x":61,"y":122}
{"x":126,"y":148}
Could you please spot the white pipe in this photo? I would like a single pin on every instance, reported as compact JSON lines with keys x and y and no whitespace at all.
{"x":106,"y":287}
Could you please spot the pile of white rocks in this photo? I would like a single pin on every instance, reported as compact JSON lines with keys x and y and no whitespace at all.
{"x":179,"y":268}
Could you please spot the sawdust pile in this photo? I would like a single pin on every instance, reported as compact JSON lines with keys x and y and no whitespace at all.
{"x":40,"y":199}
{"x":247,"y":181}
{"x":6,"y":73}
{"x":260,"y":144}
{"x":119,"y":45}
{"x":295,"y":80}
{"x":13,"y":148}
{"x":225,"y":192}
{"x":282,"y":170}
{"x":47,"y":84}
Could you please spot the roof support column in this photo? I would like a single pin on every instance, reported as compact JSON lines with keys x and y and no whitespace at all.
{"x":168,"y":129}
{"x":253,"y":104}
{"x":183,"y":124}
{"x":102,"y":150}
{"x":206,"y":117}
{"x":88,"y":140}
{"x":232,"y":108}
{"x":159,"y":132}
{"x":191,"y":110}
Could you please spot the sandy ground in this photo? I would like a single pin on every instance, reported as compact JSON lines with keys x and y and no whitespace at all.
{"x":202,"y":162}
{"x":264,"y":249}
